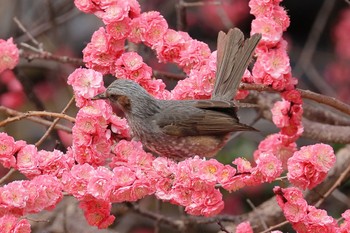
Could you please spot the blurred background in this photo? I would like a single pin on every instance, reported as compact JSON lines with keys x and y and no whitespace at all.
{"x":319,"y":51}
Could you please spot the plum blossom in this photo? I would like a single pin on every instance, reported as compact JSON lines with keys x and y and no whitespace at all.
{"x":9,"y":54}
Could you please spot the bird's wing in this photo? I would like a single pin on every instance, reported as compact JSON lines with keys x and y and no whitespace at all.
{"x":233,"y":57}
{"x":203,"y":117}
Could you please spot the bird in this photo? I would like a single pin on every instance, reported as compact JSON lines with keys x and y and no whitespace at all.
{"x":180,"y":129}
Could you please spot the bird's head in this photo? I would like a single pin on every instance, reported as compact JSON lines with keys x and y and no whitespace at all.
{"x":129,"y":96}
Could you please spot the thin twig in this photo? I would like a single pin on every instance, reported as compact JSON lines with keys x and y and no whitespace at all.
{"x":48,"y":26}
{"x":39,"y":120}
{"x":8,"y":174}
{"x":179,"y":225}
{"x":263,"y":223}
{"x":44,"y":55}
{"x":20,"y":25}
{"x":275,"y":227}
{"x":181,"y":21}
{"x":54,"y":123}
{"x":201,"y":3}
{"x":36,"y":113}
{"x":222,"y":227}
{"x":337,"y":183}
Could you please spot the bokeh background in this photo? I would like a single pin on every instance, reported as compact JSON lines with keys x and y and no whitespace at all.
{"x":319,"y":51}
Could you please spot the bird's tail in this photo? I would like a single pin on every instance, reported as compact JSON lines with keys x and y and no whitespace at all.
{"x":233,"y":57}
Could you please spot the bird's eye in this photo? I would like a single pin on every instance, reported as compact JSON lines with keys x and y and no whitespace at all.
{"x":113,"y":97}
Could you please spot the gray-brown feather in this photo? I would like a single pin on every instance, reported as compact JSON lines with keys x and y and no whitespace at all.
{"x":233,"y":56}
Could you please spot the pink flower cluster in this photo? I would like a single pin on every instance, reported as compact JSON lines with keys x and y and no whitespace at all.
{"x":21,"y":197}
{"x":8,"y":148}
{"x":86,"y":84}
{"x":309,"y":166}
{"x":345,"y":226}
{"x":101,"y":53}
{"x":124,"y":22}
{"x":92,"y":133}
{"x":130,"y":65}
{"x":268,"y":168}
{"x":12,"y":224}
{"x":190,"y":183}
{"x":9,"y":54}
{"x":272,"y":68}
{"x":304,"y":218}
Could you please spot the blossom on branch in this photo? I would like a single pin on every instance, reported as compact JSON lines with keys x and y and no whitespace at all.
{"x":9,"y":54}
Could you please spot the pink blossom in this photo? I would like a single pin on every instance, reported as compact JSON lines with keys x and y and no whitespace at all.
{"x":199,"y":85}
{"x":292,"y":203}
{"x":101,"y":53}
{"x":86,"y":6}
{"x":86,"y":83}
{"x":280,"y":113}
{"x":169,"y":49}
{"x":28,"y":161}
{"x":292,"y":96}
{"x":345,"y":226}
{"x":100,"y":184}
{"x":76,"y":180}
{"x":156,"y":87}
{"x":125,"y":176}
{"x":260,"y":8}
{"x":268,"y":168}
{"x":14,"y":195}
{"x":116,"y":11}
{"x":119,"y":30}
{"x":7,"y":150}
{"x":210,"y":170}
{"x":45,"y":192}
{"x":131,"y":66}
{"x":206,"y":203}
{"x":275,"y":62}
{"x":194,"y":55}
{"x":309,"y":166}
{"x":319,"y":221}
{"x":270,"y":30}
{"x":279,"y":145}
{"x":243,"y":165}
{"x":244,"y":227}
{"x":10,"y":223}
{"x":119,"y":127}
{"x":225,"y":174}
{"x":149,"y":28}
{"x":9,"y":54}
{"x":54,"y":163}
{"x":97,"y":212}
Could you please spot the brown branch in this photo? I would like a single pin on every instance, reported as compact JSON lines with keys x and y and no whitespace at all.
{"x":44,"y":55}
{"x":177,"y":224}
{"x":7,"y":175}
{"x":336,"y":184}
{"x":54,"y":123}
{"x":326,"y":133}
{"x":36,"y":113}
{"x":330,"y":101}
{"x":33,"y":118}
{"x":324,"y":115}
{"x":314,"y":130}
{"x":48,"y":26}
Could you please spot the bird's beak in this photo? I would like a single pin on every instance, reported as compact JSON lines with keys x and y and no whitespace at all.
{"x":100,"y":96}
